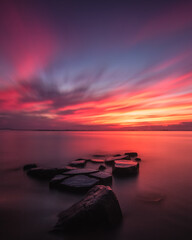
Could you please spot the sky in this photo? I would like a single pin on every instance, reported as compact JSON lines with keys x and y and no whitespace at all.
{"x":96,"y":65}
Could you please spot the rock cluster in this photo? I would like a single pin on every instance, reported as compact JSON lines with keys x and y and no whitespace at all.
{"x":100,"y":206}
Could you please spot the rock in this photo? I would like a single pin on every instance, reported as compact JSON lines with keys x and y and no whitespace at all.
{"x":104,"y":177}
{"x":84,"y":171}
{"x":44,"y":173}
{"x":96,"y":160}
{"x":125,"y":169}
{"x":117,"y":155}
{"x":125,"y":162}
{"x":78,"y":183}
{"x":78,"y":163}
{"x":101,"y":167}
{"x":29,"y":166}
{"x":98,"y":155}
{"x":138,"y":159}
{"x":132,"y":154}
{"x":111,"y":160}
{"x":56,"y":180}
{"x":99,"y":208}
{"x":68,"y":168}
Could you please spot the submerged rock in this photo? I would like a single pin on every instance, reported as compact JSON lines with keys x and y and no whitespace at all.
{"x":44,"y":173}
{"x":125,"y":169}
{"x":78,"y":183}
{"x":99,"y":208}
{"x":104,"y":177}
{"x":29,"y":166}
{"x":101,"y":167}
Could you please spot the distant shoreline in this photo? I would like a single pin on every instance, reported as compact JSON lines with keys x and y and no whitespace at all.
{"x":93,"y":130}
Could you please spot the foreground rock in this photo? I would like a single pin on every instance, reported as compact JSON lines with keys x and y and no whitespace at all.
{"x":125,"y":168}
{"x":78,"y":183}
{"x":99,"y":208}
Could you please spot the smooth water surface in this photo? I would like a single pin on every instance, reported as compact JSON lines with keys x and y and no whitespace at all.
{"x":156,"y":204}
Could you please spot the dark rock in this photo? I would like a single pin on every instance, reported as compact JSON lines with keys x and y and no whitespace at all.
{"x":29,"y":166}
{"x":132,"y":154}
{"x":104,"y":177}
{"x":80,"y":171}
{"x":117,"y":155}
{"x":78,"y":163}
{"x":98,"y":155}
{"x":99,"y":208}
{"x":101,"y":167}
{"x":138,"y":159}
{"x":56,"y":180}
{"x":78,"y":183}
{"x":127,"y":168}
{"x":44,"y":173}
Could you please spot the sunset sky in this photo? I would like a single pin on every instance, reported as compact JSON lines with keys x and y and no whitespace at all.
{"x":96,"y":65}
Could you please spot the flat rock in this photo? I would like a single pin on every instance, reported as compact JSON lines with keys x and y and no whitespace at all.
{"x":125,"y":169}
{"x":56,"y":180}
{"x":96,"y":160}
{"x":78,"y":183}
{"x":29,"y":166}
{"x":68,"y":168}
{"x":104,"y":177}
{"x":44,"y":173}
{"x":84,"y":171}
{"x":99,"y":208}
{"x":78,"y":163}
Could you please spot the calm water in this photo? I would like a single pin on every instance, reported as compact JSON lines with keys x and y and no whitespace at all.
{"x":28,"y":209}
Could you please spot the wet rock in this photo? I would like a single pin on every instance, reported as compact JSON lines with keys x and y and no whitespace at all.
{"x":96,"y":160}
{"x":44,"y":173}
{"x":56,"y":180}
{"x":84,"y":171}
{"x":99,"y":208}
{"x":101,"y":167}
{"x":78,"y":183}
{"x":122,"y":168}
{"x":78,"y":163}
{"x":29,"y":166}
{"x":104,"y":177}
